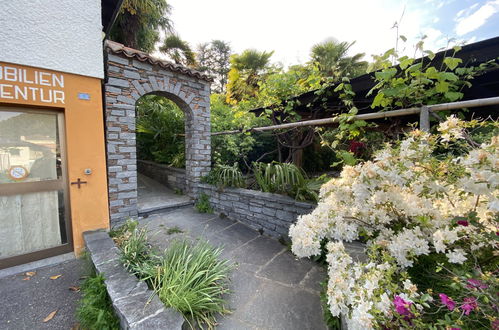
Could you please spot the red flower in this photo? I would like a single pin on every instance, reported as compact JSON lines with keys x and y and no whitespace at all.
{"x":356,"y":147}
{"x":463,"y":223}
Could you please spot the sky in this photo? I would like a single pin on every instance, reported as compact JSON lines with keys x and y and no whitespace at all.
{"x":290,"y":27}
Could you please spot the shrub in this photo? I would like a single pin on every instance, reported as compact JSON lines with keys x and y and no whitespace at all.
{"x":203,"y":204}
{"x":192,"y":279}
{"x":430,"y":220}
{"x":225,"y":176}
{"x":285,"y":178}
{"x":95,"y":310}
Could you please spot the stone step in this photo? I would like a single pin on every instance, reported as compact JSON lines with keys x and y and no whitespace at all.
{"x":145,"y":212}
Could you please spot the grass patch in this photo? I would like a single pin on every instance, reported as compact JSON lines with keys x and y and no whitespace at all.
{"x":95,"y":310}
{"x":174,"y":230}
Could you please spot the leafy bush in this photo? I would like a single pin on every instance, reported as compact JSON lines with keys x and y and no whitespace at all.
{"x":95,"y":309}
{"x":160,"y":129}
{"x":430,"y":219}
{"x":203,"y":204}
{"x":192,"y":279}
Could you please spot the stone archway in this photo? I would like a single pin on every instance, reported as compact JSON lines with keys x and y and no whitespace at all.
{"x":132,"y":74}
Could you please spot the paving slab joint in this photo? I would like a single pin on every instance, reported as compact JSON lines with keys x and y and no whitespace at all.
{"x":141,"y":309}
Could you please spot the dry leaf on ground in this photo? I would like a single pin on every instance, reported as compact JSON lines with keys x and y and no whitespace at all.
{"x":55,"y":277}
{"x":74,"y":288}
{"x":50,"y":316}
{"x":30,"y":273}
{"x":27,"y":278}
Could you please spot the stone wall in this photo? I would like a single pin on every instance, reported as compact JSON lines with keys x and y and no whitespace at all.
{"x":272,"y":213}
{"x":132,"y":74}
{"x":171,"y":177}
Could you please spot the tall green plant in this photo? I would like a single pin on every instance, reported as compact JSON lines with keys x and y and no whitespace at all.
{"x":277,"y":177}
{"x":192,"y":279}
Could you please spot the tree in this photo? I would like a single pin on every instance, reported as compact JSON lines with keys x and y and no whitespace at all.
{"x":213,"y":58}
{"x":140,"y":22}
{"x":331,"y":58}
{"x":247,"y":69}
{"x":178,"y":50}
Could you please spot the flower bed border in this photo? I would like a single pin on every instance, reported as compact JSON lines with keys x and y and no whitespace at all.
{"x":267,"y":212}
{"x":135,"y":305}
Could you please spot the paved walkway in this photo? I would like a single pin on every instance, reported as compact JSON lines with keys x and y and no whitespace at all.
{"x":24,"y":304}
{"x":155,"y":197}
{"x":271,"y":288}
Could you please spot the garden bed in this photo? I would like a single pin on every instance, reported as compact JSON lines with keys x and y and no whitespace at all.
{"x":271,"y":214}
{"x":136,"y":306}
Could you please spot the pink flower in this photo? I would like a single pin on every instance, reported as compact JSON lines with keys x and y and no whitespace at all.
{"x":469,"y":305}
{"x":476,"y":284}
{"x":447,"y":301}
{"x":495,"y":324}
{"x":455,"y":328}
{"x":402,"y":306}
{"x":463,"y":223}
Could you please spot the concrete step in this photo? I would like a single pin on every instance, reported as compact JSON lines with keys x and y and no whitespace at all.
{"x":145,"y":212}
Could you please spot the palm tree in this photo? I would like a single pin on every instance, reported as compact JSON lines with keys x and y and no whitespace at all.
{"x":247,"y":69}
{"x":331,"y":58}
{"x":139,"y":23}
{"x":178,"y":50}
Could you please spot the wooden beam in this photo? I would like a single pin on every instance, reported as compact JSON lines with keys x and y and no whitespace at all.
{"x":373,"y":115}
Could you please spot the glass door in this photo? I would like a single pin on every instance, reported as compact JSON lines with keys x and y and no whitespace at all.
{"x":34,"y":207}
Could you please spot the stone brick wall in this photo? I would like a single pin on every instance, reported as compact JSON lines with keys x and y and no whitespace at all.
{"x":128,"y":79}
{"x":272,"y":213}
{"x":171,"y":177}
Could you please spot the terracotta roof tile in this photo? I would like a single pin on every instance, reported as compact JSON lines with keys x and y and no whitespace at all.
{"x":118,"y":48}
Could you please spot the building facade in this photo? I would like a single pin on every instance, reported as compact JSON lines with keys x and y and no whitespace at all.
{"x":53,"y":183}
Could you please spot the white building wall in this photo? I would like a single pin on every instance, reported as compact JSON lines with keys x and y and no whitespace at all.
{"x":62,"y":35}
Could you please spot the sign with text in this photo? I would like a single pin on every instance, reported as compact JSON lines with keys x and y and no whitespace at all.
{"x":31,"y":85}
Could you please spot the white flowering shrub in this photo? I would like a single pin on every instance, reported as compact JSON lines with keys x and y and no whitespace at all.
{"x":417,"y":209}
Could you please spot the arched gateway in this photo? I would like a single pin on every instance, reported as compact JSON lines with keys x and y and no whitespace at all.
{"x":132,"y":74}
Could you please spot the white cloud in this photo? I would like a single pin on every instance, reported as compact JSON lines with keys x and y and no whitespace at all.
{"x":468,"y":21}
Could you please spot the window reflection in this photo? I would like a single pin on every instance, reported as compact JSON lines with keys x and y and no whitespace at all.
{"x":29,"y":147}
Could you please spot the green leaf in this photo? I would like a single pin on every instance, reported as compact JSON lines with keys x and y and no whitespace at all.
{"x":403,"y":38}
{"x":386,"y":74}
{"x":430,"y":54}
{"x":452,"y":62}
{"x":442,"y":86}
{"x":453,"y":96}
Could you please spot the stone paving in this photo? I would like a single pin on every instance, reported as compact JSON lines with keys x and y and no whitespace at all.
{"x":271,"y":289}
{"x":24,"y":304}
{"x":155,"y":197}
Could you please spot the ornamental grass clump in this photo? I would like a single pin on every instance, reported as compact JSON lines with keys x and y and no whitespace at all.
{"x":192,"y":279}
{"x":189,"y":277}
{"x":428,"y":208}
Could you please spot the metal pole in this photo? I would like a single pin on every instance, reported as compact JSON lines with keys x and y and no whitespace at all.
{"x":424,"y":119}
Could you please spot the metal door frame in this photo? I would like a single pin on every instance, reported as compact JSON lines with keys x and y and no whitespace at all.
{"x":17,"y":188}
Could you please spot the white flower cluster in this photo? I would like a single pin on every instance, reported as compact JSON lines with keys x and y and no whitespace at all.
{"x":451,"y":129}
{"x":406,"y":201}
